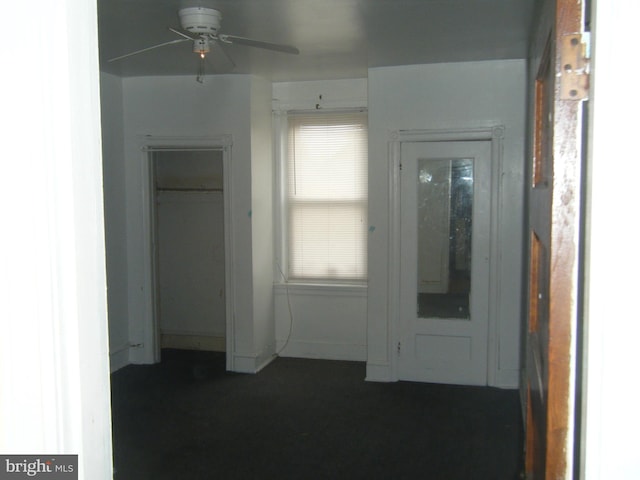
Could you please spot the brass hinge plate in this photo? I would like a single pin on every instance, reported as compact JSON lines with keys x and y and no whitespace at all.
{"x":574,"y":66}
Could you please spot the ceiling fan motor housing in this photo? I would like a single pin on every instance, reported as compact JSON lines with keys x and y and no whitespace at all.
{"x":200,"y":20}
{"x":201,"y":45}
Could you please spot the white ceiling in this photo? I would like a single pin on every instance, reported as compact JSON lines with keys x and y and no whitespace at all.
{"x":336,"y":38}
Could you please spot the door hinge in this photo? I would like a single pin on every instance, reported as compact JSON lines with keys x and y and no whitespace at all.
{"x":398,"y":348}
{"x":575,"y":56}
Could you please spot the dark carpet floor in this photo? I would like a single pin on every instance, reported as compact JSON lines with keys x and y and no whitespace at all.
{"x":186,"y":418}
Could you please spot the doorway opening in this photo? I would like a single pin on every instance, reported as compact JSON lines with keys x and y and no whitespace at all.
{"x":188,"y":227}
{"x":188,"y":236}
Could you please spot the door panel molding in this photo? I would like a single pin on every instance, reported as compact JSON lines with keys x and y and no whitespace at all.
{"x":494,"y":134}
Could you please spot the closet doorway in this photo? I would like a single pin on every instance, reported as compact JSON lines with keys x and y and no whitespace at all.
{"x":188,"y":204}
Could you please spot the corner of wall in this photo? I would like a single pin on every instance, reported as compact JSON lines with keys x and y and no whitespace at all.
{"x":262,"y":219}
{"x":114,"y":183}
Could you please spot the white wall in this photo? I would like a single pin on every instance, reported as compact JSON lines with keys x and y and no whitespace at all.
{"x":262,"y":219}
{"x":54,"y":371}
{"x":113,"y":168}
{"x":449,"y":96}
{"x":179,"y":106}
{"x":240,"y":106}
{"x":320,"y":94}
{"x":325,"y":321}
{"x":425,"y":97}
{"x":610,"y":395}
{"x":328,"y":322}
{"x":190,"y":265}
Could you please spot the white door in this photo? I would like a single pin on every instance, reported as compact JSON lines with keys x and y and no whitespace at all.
{"x":444,"y":268}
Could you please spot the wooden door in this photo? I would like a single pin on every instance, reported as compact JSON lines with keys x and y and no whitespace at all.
{"x":559,"y":84}
{"x":445,"y":205}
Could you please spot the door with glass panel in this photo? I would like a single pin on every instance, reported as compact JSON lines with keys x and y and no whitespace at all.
{"x":444,"y":270}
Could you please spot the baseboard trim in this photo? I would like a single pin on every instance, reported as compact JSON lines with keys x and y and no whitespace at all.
{"x":244,"y":364}
{"x":322,"y":350}
{"x":264,"y":361}
{"x":119,"y":359}
{"x":193,"y":342}
{"x":507,"y":379}
{"x":379,"y":373}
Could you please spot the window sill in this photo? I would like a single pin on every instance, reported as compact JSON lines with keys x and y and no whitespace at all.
{"x":301,"y":288}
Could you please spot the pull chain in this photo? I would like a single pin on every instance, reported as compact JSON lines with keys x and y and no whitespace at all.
{"x":200,"y":76}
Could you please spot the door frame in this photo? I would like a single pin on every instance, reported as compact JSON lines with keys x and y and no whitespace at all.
{"x":494,"y":134}
{"x":148,"y":145}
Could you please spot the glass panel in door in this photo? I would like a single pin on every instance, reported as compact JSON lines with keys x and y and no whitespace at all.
{"x":445,"y":221}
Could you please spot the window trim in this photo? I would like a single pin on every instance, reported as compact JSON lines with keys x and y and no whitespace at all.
{"x":280,"y":150}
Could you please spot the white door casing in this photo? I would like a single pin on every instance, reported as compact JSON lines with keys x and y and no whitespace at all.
{"x":148,"y":145}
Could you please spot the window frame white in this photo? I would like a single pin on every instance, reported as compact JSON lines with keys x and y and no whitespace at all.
{"x":281,"y":141}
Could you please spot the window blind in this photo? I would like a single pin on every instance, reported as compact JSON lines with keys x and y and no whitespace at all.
{"x":327,"y":196}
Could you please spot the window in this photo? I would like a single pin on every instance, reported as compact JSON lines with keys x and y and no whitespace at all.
{"x":326,"y":197}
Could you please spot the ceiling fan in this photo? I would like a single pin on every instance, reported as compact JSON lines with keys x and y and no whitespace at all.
{"x":201,"y":26}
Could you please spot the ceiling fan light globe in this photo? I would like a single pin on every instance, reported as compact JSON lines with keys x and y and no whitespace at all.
{"x":200,"y":20}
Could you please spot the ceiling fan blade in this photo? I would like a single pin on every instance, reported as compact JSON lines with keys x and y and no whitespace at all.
{"x":179,"y":40}
{"x":182,"y":34}
{"x":258,"y":43}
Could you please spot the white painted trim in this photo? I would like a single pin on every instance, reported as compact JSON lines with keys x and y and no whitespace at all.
{"x":320,"y":94}
{"x":178,"y":143}
{"x":355,"y":104}
{"x":320,"y":290}
{"x":322,"y":350}
{"x":279,"y":193}
{"x":379,"y":373}
{"x":230,"y":255}
{"x":494,"y":134}
{"x":244,"y":364}
{"x":449,"y":135}
{"x":393,"y":252}
{"x":149,"y":144}
{"x":119,"y":358}
{"x":493,"y":338}
{"x":250,"y":364}
{"x":507,"y":379}
{"x":150,"y":343}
